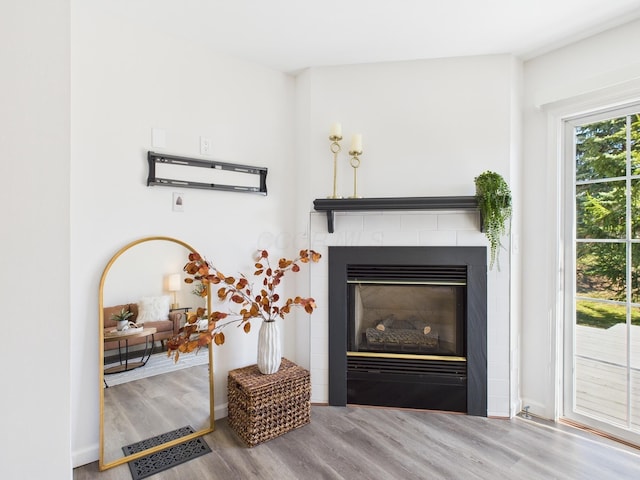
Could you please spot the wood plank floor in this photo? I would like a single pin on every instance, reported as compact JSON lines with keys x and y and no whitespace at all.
{"x":349,"y":443}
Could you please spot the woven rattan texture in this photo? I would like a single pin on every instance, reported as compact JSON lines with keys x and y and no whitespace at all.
{"x":262,"y":407}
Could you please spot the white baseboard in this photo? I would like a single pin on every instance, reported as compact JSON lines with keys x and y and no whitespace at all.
{"x":85,"y":456}
{"x":537,"y":409}
{"x":221,"y":411}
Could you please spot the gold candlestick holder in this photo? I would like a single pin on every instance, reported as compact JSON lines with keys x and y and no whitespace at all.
{"x":355,"y":163}
{"x":335,"y":149}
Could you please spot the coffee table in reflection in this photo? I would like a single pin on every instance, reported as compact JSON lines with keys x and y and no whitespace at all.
{"x":123,"y":351}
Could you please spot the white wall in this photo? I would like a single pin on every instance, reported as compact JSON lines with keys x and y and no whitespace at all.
{"x":34,"y":258}
{"x":126,"y":80}
{"x":429,"y":127}
{"x":594,"y":73}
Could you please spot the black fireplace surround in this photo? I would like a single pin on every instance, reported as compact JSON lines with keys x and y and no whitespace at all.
{"x":415,"y":379}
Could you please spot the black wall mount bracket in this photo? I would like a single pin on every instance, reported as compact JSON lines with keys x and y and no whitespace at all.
{"x":156,"y":159}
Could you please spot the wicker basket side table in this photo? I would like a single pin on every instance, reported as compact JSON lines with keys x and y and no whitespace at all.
{"x":262,"y":407}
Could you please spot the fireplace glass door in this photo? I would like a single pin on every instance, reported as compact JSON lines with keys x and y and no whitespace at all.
{"x":406,"y":318}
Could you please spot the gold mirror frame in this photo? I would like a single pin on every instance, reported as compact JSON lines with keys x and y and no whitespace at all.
{"x":101,"y":463}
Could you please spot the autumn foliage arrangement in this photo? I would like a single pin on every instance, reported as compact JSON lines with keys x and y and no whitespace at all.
{"x":257,"y":300}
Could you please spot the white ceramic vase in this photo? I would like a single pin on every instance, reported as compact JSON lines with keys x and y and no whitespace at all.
{"x":269,"y":348}
{"x":122,"y":325}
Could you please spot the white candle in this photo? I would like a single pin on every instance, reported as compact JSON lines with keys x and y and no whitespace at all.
{"x":356,"y":142}
{"x":336,"y":130}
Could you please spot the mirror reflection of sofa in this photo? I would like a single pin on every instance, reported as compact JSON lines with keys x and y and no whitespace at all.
{"x":149,"y":312}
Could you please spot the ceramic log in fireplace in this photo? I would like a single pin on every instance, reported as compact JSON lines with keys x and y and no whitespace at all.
{"x":407,"y":327}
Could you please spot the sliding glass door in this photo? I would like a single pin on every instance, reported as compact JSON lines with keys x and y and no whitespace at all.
{"x":602,"y":284}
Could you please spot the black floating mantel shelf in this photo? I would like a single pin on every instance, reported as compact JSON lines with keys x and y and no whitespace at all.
{"x":332,"y":205}
{"x":256,"y":182}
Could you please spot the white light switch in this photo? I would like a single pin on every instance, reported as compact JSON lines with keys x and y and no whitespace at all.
{"x":158,"y":138}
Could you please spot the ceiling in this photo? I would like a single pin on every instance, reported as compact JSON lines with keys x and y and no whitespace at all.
{"x":290,"y":35}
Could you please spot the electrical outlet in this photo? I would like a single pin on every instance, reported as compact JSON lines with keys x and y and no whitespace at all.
{"x":178,"y":202}
{"x":205,"y":146}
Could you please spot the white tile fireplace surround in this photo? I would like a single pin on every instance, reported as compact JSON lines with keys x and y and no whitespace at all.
{"x":410,"y":228}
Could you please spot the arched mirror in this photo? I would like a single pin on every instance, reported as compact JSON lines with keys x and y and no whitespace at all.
{"x":148,"y":402}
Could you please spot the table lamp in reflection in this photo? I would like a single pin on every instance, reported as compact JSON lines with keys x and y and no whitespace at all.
{"x":174,"y":287}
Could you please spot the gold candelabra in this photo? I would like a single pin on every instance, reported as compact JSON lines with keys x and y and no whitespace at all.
{"x":335,"y":135}
{"x":355,"y":163}
{"x":335,"y":149}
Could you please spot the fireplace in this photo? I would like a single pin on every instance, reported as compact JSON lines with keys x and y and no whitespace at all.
{"x":407,"y":327}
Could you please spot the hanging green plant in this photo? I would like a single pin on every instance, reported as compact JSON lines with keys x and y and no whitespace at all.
{"x":494,"y":201}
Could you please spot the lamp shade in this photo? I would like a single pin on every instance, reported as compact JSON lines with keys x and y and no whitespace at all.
{"x":174,"y":282}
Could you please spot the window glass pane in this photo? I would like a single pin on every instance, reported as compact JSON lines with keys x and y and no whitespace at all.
{"x":635,"y":144}
{"x":602,"y":315}
{"x":600,"y":149}
{"x":635,"y":209}
{"x":634,"y":363}
{"x":601,"y":210}
{"x":635,"y":274}
{"x":601,"y":361}
{"x":601,"y":390}
{"x":635,"y":400}
{"x":600,"y":271}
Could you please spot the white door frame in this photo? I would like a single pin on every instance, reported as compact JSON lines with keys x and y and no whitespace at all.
{"x":566,"y":324}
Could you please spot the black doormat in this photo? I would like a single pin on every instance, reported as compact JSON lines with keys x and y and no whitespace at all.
{"x":167,"y":458}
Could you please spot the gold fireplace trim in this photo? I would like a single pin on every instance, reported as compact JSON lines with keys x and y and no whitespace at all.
{"x":407,"y":356}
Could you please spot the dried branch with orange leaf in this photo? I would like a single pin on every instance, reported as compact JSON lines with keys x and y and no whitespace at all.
{"x":255,"y":302}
